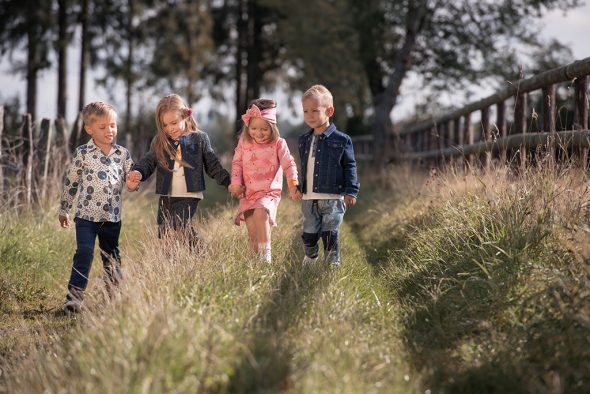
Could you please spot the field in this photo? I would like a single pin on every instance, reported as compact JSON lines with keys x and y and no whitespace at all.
{"x":450,"y":283}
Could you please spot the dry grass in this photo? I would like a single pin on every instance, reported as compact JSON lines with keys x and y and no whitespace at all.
{"x":213,"y":321}
{"x":458,"y":283}
{"x":490,"y":272}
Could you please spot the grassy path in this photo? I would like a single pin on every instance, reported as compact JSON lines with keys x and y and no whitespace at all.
{"x":472,"y":284}
{"x":215,"y":322}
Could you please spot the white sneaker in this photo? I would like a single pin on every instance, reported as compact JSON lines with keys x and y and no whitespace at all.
{"x":309,"y":260}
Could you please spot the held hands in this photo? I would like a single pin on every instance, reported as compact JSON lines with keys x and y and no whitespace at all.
{"x":349,"y":201}
{"x":294,"y":193}
{"x":132,"y":180}
{"x":238,"y":191}
{"x":64,"y":221}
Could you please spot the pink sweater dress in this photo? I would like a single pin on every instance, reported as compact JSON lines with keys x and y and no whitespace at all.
{"x":260,"y":168}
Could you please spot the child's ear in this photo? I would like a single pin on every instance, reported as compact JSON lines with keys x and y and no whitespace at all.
{"x":330,"y":111}
{"x":87,"y":129}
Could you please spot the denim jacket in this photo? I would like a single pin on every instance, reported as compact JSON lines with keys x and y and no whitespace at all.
{"x":335,"y":166}
{"x":197,"y":151}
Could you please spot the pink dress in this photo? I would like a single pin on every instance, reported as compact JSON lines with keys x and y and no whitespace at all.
{"x":260,"y":168}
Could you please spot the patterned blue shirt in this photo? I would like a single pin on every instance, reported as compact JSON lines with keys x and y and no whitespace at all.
{"x":97,"y":179}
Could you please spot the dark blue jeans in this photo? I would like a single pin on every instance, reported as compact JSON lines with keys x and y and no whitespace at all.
{"x":108,"y":241}
{"x":176,"y":213}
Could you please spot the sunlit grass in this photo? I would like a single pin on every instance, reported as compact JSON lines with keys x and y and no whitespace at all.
{"x":460,"y":283}
{"x":487,"y":272}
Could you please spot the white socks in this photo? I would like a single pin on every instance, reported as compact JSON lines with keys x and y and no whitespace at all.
{"x":264,"y":252}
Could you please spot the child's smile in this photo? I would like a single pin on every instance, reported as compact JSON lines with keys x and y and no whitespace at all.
{"x":259,"y":130}
{"x":173,"y":124}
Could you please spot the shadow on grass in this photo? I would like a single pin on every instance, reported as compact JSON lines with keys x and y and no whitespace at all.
{"x":466,"y":323}
{"x":267,"y":361}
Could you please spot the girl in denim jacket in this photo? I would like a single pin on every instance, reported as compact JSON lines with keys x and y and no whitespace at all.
{"x":178,"y":153}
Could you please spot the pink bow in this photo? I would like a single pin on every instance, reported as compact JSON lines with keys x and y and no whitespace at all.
{"x":269,"y":114}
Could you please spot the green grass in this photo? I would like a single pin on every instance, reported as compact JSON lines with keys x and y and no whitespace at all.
{"x":453,"y":284}
{"x":491,"y":283}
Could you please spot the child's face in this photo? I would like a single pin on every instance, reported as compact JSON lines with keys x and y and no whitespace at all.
{"x":173,"y":124}
{"x":315,"y":114}
{"x":259,"y":130}
{"x":103,"y":129}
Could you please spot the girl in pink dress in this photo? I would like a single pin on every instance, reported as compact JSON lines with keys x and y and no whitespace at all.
{"x":257,"y":174}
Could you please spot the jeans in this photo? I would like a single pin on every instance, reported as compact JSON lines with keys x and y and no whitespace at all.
{"x":176,"y":213}
{"x":108,"y":242}
{"x":322,"y":218}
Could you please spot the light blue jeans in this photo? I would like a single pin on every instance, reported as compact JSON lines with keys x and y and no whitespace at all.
{"x":322,"y":218}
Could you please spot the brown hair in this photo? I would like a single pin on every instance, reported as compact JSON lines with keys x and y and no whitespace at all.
{"x":262,"y":104}
{"x":95,"y":109}
{"x":163,"y":147}
{"x":320,"y":93}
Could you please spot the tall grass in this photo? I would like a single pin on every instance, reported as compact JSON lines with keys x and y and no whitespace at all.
{"x":491,"y":275}
{"x":457,"y":283}
{"x":218,"y":320}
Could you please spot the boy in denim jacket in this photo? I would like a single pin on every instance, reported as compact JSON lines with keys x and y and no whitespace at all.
{"x":328,"y":168}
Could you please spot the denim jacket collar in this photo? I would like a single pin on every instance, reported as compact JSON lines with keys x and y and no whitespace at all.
{"x":331,"y":128}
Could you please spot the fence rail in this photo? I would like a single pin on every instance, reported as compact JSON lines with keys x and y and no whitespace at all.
{"x":454,"y":134}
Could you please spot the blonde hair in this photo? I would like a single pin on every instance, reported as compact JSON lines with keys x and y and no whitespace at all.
{"x":262,"y":104}
{"x":320,"y":93}
{"x":163,"y":147}
{"x":97,"y":109}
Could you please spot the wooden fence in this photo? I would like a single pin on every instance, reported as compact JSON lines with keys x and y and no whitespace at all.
{"x":453,"y":135}
{"x":32,"y":160}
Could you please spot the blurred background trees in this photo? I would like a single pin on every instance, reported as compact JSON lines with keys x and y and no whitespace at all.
{"x":232,"y":51}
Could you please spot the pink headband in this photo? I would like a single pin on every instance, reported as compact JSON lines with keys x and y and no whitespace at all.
{"x":269,"y":114}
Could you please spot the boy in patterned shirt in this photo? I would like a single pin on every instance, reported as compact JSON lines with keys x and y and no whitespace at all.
{"x":97,"y":175}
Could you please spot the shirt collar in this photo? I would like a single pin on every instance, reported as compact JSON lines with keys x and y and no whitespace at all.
{"x":91,"y":146}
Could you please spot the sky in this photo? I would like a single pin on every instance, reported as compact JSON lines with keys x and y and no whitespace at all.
{"x":571,"y":29}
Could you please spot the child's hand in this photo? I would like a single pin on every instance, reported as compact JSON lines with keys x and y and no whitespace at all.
{"x":295,"y":194}
{"x":64,"y":221}
{"x":238,"y":191}
{"x":349,"y":201}
{"x":132,"y":180}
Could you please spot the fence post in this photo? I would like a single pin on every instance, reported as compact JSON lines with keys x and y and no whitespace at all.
{"x":76,"y":135}
{"x":485,"y":136}
{"x":459,"y":138}
{"x":520,"y":119}
{"x":62,"y":140}
{"x":442,"y":142}
{"x":581,"y":113}
{"x":501,"y":125}
{"x":468,"y":129}
{"x":44,"y":153}
{"x":27,"y":156}
{"x":434,"y":143}
{"x":549,"y":120}
{"x":1,"y":164}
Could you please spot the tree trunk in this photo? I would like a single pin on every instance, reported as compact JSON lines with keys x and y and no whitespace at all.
{"x":32,"y":68}
{"x":62,"y":50}
{"x":129,"y":73}
{"x":241,"y":45}
{"x":384,"y":103}
{"x":84,"y":53}
{"x":254,"y":42}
